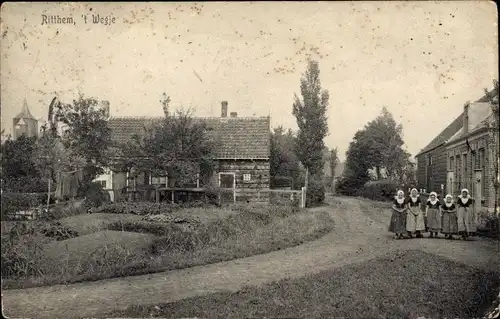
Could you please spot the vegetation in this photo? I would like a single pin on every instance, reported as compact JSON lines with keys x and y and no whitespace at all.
{"x":395,"y":290}
{"x":310,"y":113}
{"x":86,"y":134}
{"x":177,"y":145}
{"x":284,"y":164}
{"x":375,"y":153}
{"x":144,"y":238}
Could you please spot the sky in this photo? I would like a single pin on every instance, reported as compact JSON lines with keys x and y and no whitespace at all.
{"x":421,"y":60}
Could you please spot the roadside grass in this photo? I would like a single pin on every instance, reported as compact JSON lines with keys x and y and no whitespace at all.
{"x":126,"y":244}
{"x":407,"y":285}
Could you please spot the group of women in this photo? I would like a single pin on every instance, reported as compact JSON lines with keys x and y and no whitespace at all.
{"x":451,"y":217}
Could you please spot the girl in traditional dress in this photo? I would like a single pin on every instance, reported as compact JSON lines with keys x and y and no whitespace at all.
{"x":465,"y":215}
{"x":433,"y":214}
{"x":398,"y":219}
{"x":415,"y":218}
{"x":449,"y":219}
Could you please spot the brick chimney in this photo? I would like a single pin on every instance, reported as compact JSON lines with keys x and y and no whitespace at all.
{"x":234,"y":114}
{"x":223,"y":111}
{"x":466,"y":118}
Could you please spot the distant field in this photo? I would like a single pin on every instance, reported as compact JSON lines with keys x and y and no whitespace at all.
{"x":409,"y":285}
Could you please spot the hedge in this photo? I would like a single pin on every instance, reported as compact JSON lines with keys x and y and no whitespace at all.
{"x":26,"y":184}
{"x":14,"y":202}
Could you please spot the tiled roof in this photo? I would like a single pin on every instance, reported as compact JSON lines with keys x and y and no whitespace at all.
{"x":453,"y":130}
{"x":240,"y":137}
{"x":445,"y":135}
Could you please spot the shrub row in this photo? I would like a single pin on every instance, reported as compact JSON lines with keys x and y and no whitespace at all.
{"x":25,"y":184}
{"x":145,"y":207}
{"x":20,"y":251}
{"x":14,"y":202}
{"x":58,"y":231}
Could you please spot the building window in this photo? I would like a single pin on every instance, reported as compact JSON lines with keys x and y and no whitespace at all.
{"x":246,"y":177}
{"x":458,"y":171}
{"x":159,"y":180}
{"x":482,"y":166}
{"x":102,"y":183}
{"x":465,"y":172}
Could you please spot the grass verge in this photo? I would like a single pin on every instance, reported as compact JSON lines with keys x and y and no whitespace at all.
{"x":135,"y":245}
{"x":408,"y":285}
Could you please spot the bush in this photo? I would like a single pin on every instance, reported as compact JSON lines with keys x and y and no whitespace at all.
{"x":347,"y":186}
{"x":58,"y":231}
{"x":136,"y":208}
{"x":20,"y":252}
{"x":25,"y":184}
{"x":379,"y":190}
{"x":95,"y":195}
{"x":490,"y":226}
{"x":14,"y":202}
{"x":64,"y":209}
{"x":315,"y":192}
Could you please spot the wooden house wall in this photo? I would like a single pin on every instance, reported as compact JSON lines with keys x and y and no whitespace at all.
{"x":257,"y":189}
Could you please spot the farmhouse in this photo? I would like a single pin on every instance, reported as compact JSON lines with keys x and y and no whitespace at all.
{"x":243,"y":152}
{"x":463,"y":156}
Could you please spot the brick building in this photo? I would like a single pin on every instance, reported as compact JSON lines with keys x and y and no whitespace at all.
{"x":463,"y":156}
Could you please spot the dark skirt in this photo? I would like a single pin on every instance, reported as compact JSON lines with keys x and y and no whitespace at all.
{"x":398,"y":222}
{"x":449,"y":223}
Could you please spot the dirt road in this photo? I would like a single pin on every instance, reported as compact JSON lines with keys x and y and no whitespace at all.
{"x":360,"y":234}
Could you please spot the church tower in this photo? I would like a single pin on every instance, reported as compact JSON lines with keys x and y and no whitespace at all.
{"x":24,"y":123}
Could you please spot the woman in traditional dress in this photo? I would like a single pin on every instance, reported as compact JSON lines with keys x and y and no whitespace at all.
{"x":433,"y":215}
{"x":465,"y":215}
{"x":398,"y":219}
{"x":415,"y":218}
{"x":449,"y":219}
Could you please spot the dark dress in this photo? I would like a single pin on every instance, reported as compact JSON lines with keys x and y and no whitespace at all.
{"x":433,"y":216}
{"x":449,"y":221}
{"x":398,"y":220}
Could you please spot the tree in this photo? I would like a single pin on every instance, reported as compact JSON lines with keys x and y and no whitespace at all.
{"x":86,"y":134}
{"x":178,"y":145}
{"x":284,"y":164}
{"x":17,"y":157}
{"x":358,"y":160}
{"x":384,"y":139}
{"x":334,"y":160}
{"x":310,"y":113}
{"x":19,"y":173}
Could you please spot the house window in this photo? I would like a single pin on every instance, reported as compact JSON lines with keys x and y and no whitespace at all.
{"x":159,"y":180}
{"x":102,"y":183}
{"x":458,"y":171}
{"x":482,"y":166}
{"x":246,"y":177}
{"x":465,"y":173}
